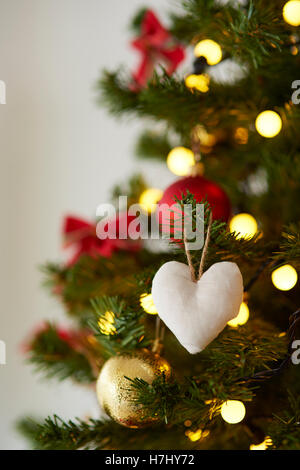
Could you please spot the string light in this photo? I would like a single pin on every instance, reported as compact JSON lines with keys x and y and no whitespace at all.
{"x":233,"y":411}
{"x":242,"y":316}
{"x":106,"y":323}
{"x":198,"y":82}
{"x":149,"y":198}
{"x":205,"y":433}
{"x":210,"y":50}
{"x":285,"y":277}
{"x":194,"y":435}
{"x":263,"y":445}
{"x":180,"y":160}
{"x":268,"y":124}
{"x":291,"y":12}
{"x":146,"y":301}
{"x":282,"y":334}
{"x":244,"y":225}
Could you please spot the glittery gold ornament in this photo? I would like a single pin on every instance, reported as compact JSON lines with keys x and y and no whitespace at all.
{"x":114,"y":392}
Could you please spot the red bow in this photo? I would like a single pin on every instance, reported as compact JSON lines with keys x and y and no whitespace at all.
{"x":81,"y":235}
{"x":155,"y":43}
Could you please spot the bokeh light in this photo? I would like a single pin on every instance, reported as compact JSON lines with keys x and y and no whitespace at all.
{"x":210,"y":50}
{"x":291,"y":12}
{"x":233,"y":411}
{"x":268,"y":124}
{"x":147,"y":303}
{"x":149,"y":198}
{"x":106,"y":323}
{"x":244,"y":225}
{"x":180,"y":160}
{"x":241,"y":318}
{"x":198,"y":82}
{"x":285,"y":277}
{"x":263,"y":445}
{"x":194,"y":435}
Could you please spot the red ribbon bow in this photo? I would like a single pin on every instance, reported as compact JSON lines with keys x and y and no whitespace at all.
{"x":155,"y":43}
{"x":81,"y":235}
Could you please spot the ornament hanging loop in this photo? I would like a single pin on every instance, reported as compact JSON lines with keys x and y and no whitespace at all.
{"x":157,"y":346}
{"x":203,"y":255}
{"x":205,"y":248}
{"x":189,"y":258}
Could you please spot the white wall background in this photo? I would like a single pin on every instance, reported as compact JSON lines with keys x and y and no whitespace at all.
{"x":59,"y":154}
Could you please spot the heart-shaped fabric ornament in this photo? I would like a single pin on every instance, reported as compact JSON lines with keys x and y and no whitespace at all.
{"x":196,"y":312}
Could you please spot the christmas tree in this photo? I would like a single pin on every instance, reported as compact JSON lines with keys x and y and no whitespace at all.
{"x":191,"y":348}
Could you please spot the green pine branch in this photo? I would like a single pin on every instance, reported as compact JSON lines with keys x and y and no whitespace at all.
{"x":248,"y":33}
{"x":117,"y":326}
{"x":57,"y":434}
{"x":153,"y":145}
{"x":290,"y":246}
{"x":54,"y":356}
{"x":96,"y":277}
{"x":285,"y":428}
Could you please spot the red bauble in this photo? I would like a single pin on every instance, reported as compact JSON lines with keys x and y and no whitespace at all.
{"x":202,"y":189}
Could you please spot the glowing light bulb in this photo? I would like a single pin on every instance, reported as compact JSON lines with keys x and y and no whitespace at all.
{"x":198,"y":82}
{"x":242,"y":316}
{"x":263,"y":445}
{"x":291,"y":12}
{"x":194,"y":435}
{"x":285,"y":277}
{"x":268,"y":124}
{"x":210,"y":50}
{"x":244,"y":225}
{"x":106,"y":323}
{"x":146,"y":301}
{"x":149,"y":198}
{"x":233,"y":411}
{"x":180,"y":160}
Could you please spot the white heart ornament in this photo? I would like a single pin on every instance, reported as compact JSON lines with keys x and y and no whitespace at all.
{"x":196,"y":312}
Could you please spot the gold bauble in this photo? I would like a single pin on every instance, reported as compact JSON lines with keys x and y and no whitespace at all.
{"x":114,"y":391}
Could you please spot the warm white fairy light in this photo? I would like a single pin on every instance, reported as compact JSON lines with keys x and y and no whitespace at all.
{"x":198,"y":82}
{"x":263,"y":445}
{"x":194,"y":435}
{"x":285,"y":277}
{"x":244,"y":225}
{"x":268,"y":124}
{"x":242,"y":316}
{"x":233,"y":411}
{"x":291,"y":12}
{"x":149,"y":198}
{"x":146,"y":301}
{"x":180,"y":161}
{"x":210,"y":50}
{"x":106,"y":323}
